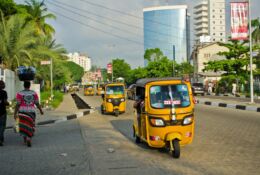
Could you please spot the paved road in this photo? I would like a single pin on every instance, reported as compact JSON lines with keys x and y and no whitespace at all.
{"x":57,"y":149}
{"x":226,"y":142}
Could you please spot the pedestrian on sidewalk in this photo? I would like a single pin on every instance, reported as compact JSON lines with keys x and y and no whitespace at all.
{"x":210,"y":86}
{"x":3,"y":104}
{"x":26,"y":101}
{"x":234,"y":88}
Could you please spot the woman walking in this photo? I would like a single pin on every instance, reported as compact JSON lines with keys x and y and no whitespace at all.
{"x":25,"y":107}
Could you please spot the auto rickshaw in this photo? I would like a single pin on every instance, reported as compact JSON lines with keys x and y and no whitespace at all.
{"x":164,"y":113}
{"x":114,"y":100}
{"x":100,"y":89}
{"x":89,"y":90}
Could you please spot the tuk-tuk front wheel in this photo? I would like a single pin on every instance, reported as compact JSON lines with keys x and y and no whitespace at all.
{"x":102,"y":110}
{"x":116,"y":113}
{"x":176,"y":152}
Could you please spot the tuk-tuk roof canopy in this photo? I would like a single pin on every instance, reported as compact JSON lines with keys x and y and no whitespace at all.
{"x":142,"y":82}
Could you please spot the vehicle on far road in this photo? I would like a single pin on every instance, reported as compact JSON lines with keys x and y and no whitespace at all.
{"x":114,"y":99}
{"x":100,"y":89}
{"x":164,"y":113}
{"x":131,"y":92}
{"x":88,"y":90}
{"x":198,"y":88}
{"x":74,"y":87}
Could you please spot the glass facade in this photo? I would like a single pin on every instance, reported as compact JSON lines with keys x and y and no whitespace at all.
{"x":166,"y":27}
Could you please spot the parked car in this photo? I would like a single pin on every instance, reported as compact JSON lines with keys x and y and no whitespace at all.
{"x":131,"y":92}
{"x":198,"y":88}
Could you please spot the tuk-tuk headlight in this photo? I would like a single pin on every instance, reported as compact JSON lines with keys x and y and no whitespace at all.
{"x":109,"y":100}
{"x":122,"y":99}
{"x":156,"y":121}
{"x":187,"y":120}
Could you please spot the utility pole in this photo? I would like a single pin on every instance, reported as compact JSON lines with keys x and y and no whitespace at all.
{"x":251,"y":56}
{"x":51,"y":69}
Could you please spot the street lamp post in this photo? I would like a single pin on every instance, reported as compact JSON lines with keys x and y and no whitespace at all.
{"x":173,"y":60}
{"x":251,"y":56}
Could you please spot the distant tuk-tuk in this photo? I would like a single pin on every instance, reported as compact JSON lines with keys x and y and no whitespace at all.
{"x":164,"y":113}
{"x":89,"y":90}
{"x":114,"y":100}
{"x":100,"y":89}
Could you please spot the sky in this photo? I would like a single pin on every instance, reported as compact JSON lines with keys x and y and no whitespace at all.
{"x":108,"y":29}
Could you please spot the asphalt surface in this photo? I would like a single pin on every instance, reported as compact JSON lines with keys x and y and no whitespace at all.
{"x":56,"y":149}
{"x":226,"y":142}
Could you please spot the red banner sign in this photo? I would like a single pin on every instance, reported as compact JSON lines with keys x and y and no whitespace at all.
{"x":239,"y":21}
{"x":109,"y":68}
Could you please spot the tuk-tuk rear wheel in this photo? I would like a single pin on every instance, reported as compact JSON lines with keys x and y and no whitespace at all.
{"x":176,"y":149}
{"x":137,"y":139}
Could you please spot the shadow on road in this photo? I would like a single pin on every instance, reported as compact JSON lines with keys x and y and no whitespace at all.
{"x":125,"y":128}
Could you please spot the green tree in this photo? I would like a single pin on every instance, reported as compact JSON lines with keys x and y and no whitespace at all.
{"x":237,"y":59}
{"x":16,"y":41}
{"x":121,"y":69}
{"x":160,"y":68}
{"x":8,"y":7}
{"x":136,"y":74}
{"x":38,"y":13}
{"x":76,"y":71}
{"x":256,"y":33}
{"x":153,"y":54}
{"x":184,"y":68}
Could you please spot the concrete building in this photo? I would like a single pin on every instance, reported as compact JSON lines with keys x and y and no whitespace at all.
{"x":80,"y":59}
{"x":209,"y":21}
{"x":167,"y":28}
{"x":204,"y":54}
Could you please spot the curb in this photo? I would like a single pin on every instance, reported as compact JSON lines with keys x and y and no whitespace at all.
{"x":226,"y":105}
{"x":62,"y":119}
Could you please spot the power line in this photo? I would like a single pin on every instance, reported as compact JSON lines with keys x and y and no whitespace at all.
{"x":112,"y":26}
{"x":102,"y":31}
{"x":127,"y":14}
{"x":127,"y":24}
{"x":152,"y":40}
{"x":97,"y":29}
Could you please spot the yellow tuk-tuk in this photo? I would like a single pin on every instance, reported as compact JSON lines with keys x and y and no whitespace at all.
{"x":100,"y":89}
{"x":88,"y":90}
{"x":113,"y":99}
{"x":164,"y":113}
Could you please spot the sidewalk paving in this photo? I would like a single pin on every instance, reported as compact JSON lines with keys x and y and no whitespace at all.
{"x":228,"y":103}
{"x":67,"y":110}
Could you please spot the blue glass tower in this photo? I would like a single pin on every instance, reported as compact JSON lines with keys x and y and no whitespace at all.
{"x":166,"y":27}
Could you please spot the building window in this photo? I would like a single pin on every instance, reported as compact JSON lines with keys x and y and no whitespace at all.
{"x":221,"y":34}
{"x":213,"y":16}
{"x":220,"y":22}
{"x":214,"y":40}
{"x":220,"y":10}
{"x":214,"y":34}
{"x":220,"y":16}
{"x":213,"y":22}
{"x":221,"y":39}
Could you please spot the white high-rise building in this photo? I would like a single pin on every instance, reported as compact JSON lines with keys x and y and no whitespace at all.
{"x":210,"y":21}
{"x":80,"y":59}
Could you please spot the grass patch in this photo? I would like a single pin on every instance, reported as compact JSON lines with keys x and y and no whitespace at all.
{"x":57,"y":99}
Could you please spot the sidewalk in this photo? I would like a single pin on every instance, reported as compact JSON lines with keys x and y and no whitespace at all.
{"x":240,"y":103}
{"x":67,"y":110}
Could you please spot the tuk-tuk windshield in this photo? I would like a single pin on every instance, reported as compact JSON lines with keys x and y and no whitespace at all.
{"x":115,"y":90}
{"x":88,"y":86}
{"x":169,"y":95}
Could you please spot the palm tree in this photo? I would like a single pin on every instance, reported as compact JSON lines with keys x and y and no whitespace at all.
{"x":38,"y":13}
{"x":16,"y":41}
{"x":256,"y":33}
